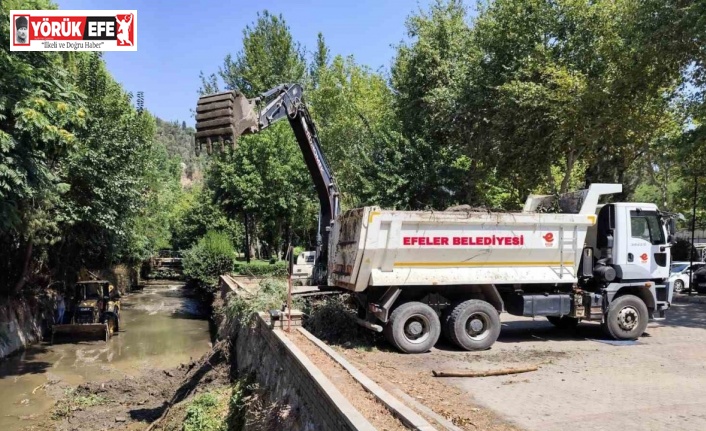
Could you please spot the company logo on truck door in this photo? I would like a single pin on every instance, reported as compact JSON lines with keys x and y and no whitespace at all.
{"x":548,"y":239}
{"x":644,"y":257}
{"x":493,"y":240}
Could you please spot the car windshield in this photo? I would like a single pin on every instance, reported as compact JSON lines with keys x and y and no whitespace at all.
{"x":678,"y":267}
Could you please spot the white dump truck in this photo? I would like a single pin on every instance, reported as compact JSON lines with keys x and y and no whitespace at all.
{"x":418,"y":275}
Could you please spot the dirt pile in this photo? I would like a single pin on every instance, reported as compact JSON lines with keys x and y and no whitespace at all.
{"x":131,"y":401}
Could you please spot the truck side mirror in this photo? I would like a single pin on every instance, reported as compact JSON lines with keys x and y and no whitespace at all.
{"x":587,"y":262}
{"x":672,"y":226}
{"x":611,"y":219}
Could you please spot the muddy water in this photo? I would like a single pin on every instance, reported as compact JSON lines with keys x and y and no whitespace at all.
{"x":161,"y":327}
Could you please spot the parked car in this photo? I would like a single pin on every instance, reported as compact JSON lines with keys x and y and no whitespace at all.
{"x":679,"y":274}
{"x":700,"y":280}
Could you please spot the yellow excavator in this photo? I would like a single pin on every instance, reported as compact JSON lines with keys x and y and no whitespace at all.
{"x":93,"y":308}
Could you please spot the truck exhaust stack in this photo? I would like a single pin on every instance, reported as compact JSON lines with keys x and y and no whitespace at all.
{"x":221,"y":118}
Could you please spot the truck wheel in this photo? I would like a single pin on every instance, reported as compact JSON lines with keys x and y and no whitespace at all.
{"x":413,"y":327}
{"x":627,"y":318}
{"x":563,"y":322}
{"x":473,"y":324}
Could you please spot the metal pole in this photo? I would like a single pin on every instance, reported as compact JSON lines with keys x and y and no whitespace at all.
{"x":693,"y":229}
{"x":290,"y":269}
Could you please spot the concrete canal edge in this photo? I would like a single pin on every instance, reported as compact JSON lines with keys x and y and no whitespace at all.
{"x":290,"y":376}
{"x":406,"y":415}
{"x":265,"y":350}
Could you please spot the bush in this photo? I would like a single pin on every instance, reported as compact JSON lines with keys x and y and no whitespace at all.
{"x":297,"y":251}
{"x":260,"y":268}
{"x":331,"y":319}
{"x":272,"y":294}
{"x":212,"y":256}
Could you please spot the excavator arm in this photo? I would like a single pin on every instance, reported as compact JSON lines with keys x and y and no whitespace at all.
{"x":221,"y":118}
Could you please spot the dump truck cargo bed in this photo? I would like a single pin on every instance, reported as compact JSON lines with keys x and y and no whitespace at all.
{"x":374,"y":247}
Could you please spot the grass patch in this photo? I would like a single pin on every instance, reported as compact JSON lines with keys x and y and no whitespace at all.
{"x":76,"y":400}
{"x":208,"y":412}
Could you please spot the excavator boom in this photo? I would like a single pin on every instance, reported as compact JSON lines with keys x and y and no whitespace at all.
{"x":223,"y":117}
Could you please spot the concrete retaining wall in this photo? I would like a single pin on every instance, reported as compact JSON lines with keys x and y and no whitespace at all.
{"x":19,"y":326}
{"x":289,"y":376}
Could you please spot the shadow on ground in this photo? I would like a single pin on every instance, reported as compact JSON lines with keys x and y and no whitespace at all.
{"x":690,"y":315}
{"x":24,"y":362}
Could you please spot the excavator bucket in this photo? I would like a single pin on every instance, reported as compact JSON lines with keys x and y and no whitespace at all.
{"x":221,"y":118}
{"x":83,"y":330}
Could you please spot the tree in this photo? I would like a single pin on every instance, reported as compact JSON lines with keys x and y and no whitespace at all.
{"x":321,"y":59}
{"x":82,"y":182}
{"x":262,"y":182}
{"x":352,"y":108}
{"x":269,"y":57}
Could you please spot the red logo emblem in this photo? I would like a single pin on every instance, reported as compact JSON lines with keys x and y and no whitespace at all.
{"x":644,"y":257}
{"x":549,"y":237}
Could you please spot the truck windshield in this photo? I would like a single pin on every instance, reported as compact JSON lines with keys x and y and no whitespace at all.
{"x":647,"y":225}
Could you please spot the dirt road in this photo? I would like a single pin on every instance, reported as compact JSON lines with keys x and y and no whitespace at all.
{"x":584,"y":383}
{"x":655,"y":384}
{"x":161,"y":327}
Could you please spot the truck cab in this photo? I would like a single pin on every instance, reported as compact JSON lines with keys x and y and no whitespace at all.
{"x":633,"y":239}
{"x":640,"y":248}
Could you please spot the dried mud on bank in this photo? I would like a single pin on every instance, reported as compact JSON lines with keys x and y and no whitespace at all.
{"x":134,"y":402}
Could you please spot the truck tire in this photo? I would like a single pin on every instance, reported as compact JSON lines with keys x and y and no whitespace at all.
{"x":413,"y":327}
{"x":563,"y":322}
{"x":472,"y":324}
{"x":627,"y":318}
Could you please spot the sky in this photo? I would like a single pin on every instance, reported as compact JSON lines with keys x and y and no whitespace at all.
{"x":178,"y":39}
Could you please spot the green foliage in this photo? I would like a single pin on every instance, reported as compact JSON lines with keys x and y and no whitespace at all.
{"x":207,"y":412}
{"x":74,"y":400}
{"x":177,"y":140}
{"x":265,"y":180}
{"x":271,"y":295}
{"x":257,"y":268}
{"x":211,"y":257}
{"x":194,"y":214}
{"x":270,"y":57}
{"x":331,"y":319}
{"x":238,"y":403}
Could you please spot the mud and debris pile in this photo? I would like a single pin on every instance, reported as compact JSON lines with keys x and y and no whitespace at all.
{"x":145,"y":398}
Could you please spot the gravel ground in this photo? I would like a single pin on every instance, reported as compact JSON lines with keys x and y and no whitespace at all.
{"x":655,"y":384}
{"x":584,"y":383}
